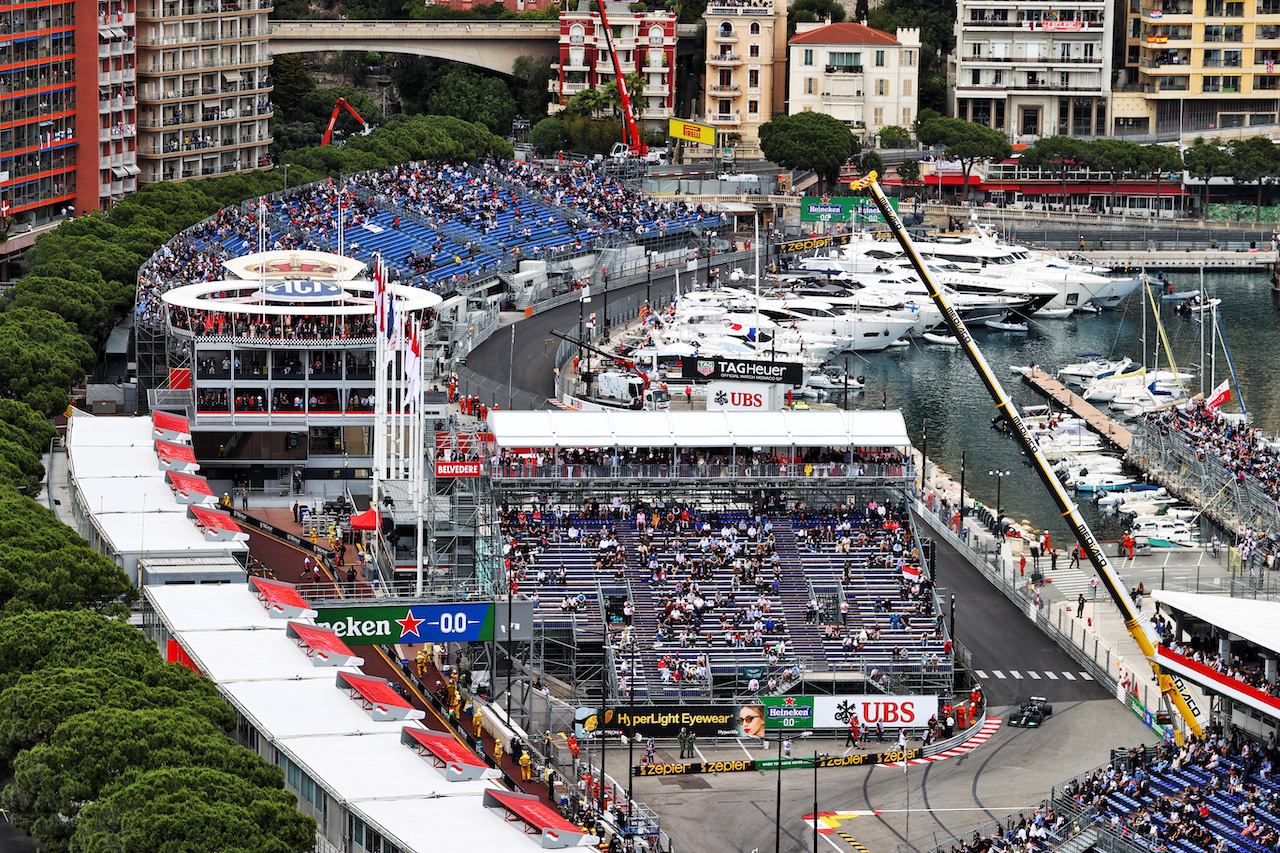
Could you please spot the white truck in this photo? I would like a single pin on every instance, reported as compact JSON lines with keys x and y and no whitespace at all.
{"x":618,"y":389}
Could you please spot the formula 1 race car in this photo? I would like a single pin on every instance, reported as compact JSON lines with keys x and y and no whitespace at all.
{"x":1031,"y":713}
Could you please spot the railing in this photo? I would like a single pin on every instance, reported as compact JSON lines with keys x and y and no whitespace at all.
{"x":723,"y":57}
{"x":871,"y":472}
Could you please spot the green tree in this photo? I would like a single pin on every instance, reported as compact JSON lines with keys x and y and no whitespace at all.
{"x":1058,"y":154}
{"x":77,"y":303}
{"x":809,"y":141}
{"x":1205,"y":160}
{"x":860,"y":10}
{"x":588,"y":102}
{"x":41,"y":357}
{"x":1159,"y":160}
{"x":291,"y":81}
{"x":549,"y":135}
{"x":1117,"y":157}
{"x":465,"y":94}
{"x":871,"y":162}
{"x":967,"y":142}
{"x":690,"y":11}
{"x":893,"y":136}
{"x":1254,"y":161}
{"x":193,"y":810}
{"x":92,"y":751}
{"x":813,"y":10}
{"x":908,"y":171}
{"x":530,"y":76}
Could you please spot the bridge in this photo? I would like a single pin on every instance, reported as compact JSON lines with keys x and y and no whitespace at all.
{"x":488,"y":44}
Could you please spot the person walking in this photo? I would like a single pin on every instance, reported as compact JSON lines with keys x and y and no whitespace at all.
{"x":497,"y":754}
{"x":851,"y":738}
{"x":526,"y":766}
{"x":1080,"y":606}
{"x":477,"y":720}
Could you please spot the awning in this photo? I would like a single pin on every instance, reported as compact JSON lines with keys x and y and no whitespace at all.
{"x":131,"y":169}
{"x":191,"y":489}
{"x":228,"y":77}
{"x":216,"y":526}
{"x":323,"y":646}
{"x":1257,"y":621}
{"x":367,"y":520}
{"x":460,"y":764}
{"x":118,"y":171}
{"x":176,"y":457}
{"x":377,"y":696}
{"x":211,"y":105}
{"x":538,"y":819}
{"x":116,"y":33}
{"x":736,"y":209}
{"x":281,"y":600}
{"x":170,"y":427}
{"x":1217,"y":682}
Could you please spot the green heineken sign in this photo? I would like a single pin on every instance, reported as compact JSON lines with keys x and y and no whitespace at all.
{"x":841,"y":209}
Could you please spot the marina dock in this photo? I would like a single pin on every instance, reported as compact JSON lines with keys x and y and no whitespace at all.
{"x":1187,"y":260}
{"x":1081,"y":408}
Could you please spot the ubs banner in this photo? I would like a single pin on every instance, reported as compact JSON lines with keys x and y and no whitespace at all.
{"x":773,"y":713}
{"x":773,"y":763}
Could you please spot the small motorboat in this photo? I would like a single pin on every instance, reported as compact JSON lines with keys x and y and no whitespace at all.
{"x":1179,"y":296}
{"x":1053,"y":313}
{"x":944,"y":340}
{"x":1003,"y":326}
{"x":1102,"y":482}
{"x":1136,"y":492}
{"x":1163,"y":531}
{"x":835,"y":379}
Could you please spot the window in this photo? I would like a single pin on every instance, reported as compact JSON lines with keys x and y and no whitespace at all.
{"x":810,"y":85}
{"x":1211,"y":84}
{"x":909,"y":58}
{"x":1064,"y":80}
{"x":879,"y":59}
{"x":878,"y":119}
{"x":726,"y":30}
{"x":1213,"y":32}
{"x":997,"y":76}
{"x":1233,"y":32}
{"x":1235,"y":10}
{"x":753,"y":50}
{"x":906,"y":88}
{"x":753,"y":107}
{"x":975,"y":77}
{"x":1231,"y":84}
{"x":655,"y":36}
{"x":975,"y":48}
{"x":1064,"y":51}
{"x":808,"y":57}
{"x":753,"y":78}
{"x":1088,"y":51}
{"x":755,"y":28}
{"x":1213,"y":8}
{"x":1031,"y":121}
{"x":840,"y":60}
{"x":1231,"y":58}
{"x":576,"y":34}
{"x":882,"y":87}
{"x":906,"y":116}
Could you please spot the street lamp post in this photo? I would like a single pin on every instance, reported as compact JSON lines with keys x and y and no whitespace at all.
{"x":999,"y":475}
{"x":962,"y":503}
{"x":777,"y":814}
{"x":953,"y":616}
{"x":815,"y":800}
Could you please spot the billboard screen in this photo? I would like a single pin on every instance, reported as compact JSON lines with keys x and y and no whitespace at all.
{"x":773,"y":713}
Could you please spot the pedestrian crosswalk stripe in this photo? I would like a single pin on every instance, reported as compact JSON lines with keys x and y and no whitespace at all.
{"x":1034,"y":675}
{"x":997,"y":673}
{"x":1068,"y":676}
{"x":1052,"y":675}
{"x":979,"y":673}
{"x":1014,"y":673}
{"x":1086,"y":676}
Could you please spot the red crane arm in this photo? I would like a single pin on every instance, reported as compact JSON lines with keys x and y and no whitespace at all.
{"x":630,"y":132}
{"x":333,"y":119}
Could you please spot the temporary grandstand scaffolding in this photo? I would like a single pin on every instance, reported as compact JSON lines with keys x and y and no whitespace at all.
{"x":463,"y":539}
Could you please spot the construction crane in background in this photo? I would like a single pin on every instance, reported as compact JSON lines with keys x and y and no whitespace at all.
{"x":333,"y":119}
{"x":630,"y":131}
{"x":1084,"y":536}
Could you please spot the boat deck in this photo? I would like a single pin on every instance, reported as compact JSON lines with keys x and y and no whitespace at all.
{"x":1097,"y":421}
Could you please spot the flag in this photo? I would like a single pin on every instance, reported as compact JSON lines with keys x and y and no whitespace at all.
{"x":413,"y":366}
{"x":911,"y":573}
{"x":379,"y":297}
{"x":1221,"y":394}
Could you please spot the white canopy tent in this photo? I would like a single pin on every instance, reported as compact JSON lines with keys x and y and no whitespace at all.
{"x":556,"y":428}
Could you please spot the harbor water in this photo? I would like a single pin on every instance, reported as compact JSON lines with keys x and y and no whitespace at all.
{"x":938,"y":384}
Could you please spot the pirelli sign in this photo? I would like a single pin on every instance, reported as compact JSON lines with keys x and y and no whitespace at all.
{"x":681,"y":129}
{"x":812,"y":243}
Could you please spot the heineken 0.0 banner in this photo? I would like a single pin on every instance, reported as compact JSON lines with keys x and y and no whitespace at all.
{"x":841,"y":209}
{"x":418,"y":623}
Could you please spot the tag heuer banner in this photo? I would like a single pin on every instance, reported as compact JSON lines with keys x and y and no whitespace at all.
{"x":699,"y":369}
{"x":842,"y":209}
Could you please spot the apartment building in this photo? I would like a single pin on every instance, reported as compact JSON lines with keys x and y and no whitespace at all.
{"x":1031,"y":69}
{"x":1196,"y":65}
{"x":746,"y":66}
{"x":644,"y":41}
{"x":866,"y":78}
{"x":204,"y":88}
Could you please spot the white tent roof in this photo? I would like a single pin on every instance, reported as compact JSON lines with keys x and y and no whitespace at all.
{"x":211,"y":607}
{"x":378,"y":766}
{"x":1256,"y":621}
{"x":558,"y":428}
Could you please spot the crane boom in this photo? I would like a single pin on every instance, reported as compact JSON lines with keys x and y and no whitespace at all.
{"x":630,"y":132}
{"x":1088,"y":543}
{"x":625,"y":363}
{"x":333,"y":120}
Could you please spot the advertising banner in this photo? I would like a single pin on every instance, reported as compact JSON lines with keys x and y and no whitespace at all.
{"x":457,"y":469}
{"x":808,"y":244}
{"x":741,"y":397}
{"x":682,"y":129}
{"x":748,"y":764}
{"x":701,"y":369}
{"x":842,"y":209}
{"x":773,"y":713}
{"x":418,"y":623}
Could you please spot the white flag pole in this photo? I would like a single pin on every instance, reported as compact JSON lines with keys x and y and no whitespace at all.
{"x":419,"y":460}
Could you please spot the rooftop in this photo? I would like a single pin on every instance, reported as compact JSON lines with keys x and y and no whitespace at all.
{"x":846,"y":33}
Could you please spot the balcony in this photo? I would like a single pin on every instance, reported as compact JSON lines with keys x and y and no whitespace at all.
{"x":1272,"y":7}
{"x":757,"y":8}
{"x":725,"y":90}
{"x":725,"y":38}
{"x":1166,"y":10}
{"x":724,"y":59}
{"x":725,"y":120}
{"x":844,"y":69}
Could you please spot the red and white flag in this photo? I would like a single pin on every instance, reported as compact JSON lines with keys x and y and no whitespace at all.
{"x":1221,"y":394}
{"x":413,"y":365}
{"x":379,"y":297}
{"x":909,"y":572}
